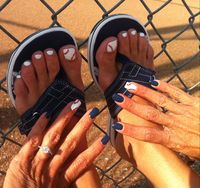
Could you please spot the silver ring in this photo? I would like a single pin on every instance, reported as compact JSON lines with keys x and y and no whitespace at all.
{"x":45,"y":149}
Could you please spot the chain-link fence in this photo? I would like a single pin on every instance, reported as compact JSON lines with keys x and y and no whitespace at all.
{"x":176,"y":69}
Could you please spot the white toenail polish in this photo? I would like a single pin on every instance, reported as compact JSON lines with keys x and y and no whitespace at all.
{"x":112,"y":46}
{"x":38,"y":56}
{"x":130,"y":86}
{"x":124,"y":34}
{"x":50,"y":52}
{"x":18,"y":76}
{"x":142,"y":34}
{"x":69,"y":54}
{"x":75,"y":104}
{"x":133,"y":32}
{"x":27,"y":63}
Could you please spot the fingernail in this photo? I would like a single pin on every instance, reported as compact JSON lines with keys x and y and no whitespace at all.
{"x":69,"y":54}
{"x":117,"y":126}
{"x":154,"y":82}
{"x":142,"y":34}
{"x":18,"y":76}
{"x":27,"y":63}
{"x":124,"y":34}
{"x":76,"y":104}
{"x":112,"y":46}
{"x":133,"y":32}
{"x":105,"y":139}
{"x":49,"y":52}
{"x":130,"y":86}
{"x":118,"y":98}
{"x":94,"y":113}
{"x":38,"y":56}
{"x":48,"y":115}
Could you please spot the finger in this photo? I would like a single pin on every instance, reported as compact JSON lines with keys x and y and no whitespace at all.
{"x":71,"y":141}
{"x":146,"y":112}
{"x":85,"y":159}
{"x":155,"y":97}
{"x":32,"y":142}
{"x":174,"y":92}
{"x":147,"y":134}
{"x":53,"y":135}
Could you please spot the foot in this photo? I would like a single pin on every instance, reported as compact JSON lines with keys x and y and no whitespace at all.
{"x":137,"y":48}
{"x":39,"y":72}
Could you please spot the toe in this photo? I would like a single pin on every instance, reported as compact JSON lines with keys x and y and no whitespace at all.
{"x":71,"y":62}
{"x":40,"y":67}
{"x":106,"y":59}
{"x":29,"y":77}
{"x":52,"y":63}
{"x":133,"y":44}
{"x":142,"y":49}
{"x":123,"y":46}
{"x":21,"y":93}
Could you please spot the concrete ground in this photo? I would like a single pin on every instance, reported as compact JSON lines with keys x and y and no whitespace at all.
{"x":22,"y":18}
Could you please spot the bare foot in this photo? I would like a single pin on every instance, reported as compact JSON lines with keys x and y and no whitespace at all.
{"x":137,"y":48}
{"x":39,"y":72}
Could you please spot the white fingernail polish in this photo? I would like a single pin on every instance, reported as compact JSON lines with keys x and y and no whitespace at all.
{"x":50,"y":52}
{"x":69,"y":54}
{"x":27,"y":63}
{"x":76,"y":104}
{"x":112,"y":46}
{"x":142,"y":34}
{"x":38,"y":56}
{"x":133,"y":32}
{"x":124,"y":34}
{"x":18,"y":76}
{"x":130,"y":86}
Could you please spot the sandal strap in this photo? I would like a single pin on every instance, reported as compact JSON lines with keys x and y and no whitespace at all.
{"x":130,"y":72}
{"x":52,"y":101}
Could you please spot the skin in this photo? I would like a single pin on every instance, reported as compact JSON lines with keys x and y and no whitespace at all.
{"x":170,"y":170}
{"x":178,"y":128}
{"x":34,"y":80}
{"x":33,"y":168}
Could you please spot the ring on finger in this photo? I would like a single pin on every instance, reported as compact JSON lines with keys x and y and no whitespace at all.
{"x":45,"y":149}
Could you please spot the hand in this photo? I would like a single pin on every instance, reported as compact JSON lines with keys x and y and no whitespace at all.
{"x":33,"y":168}
{"x":179,"y":127}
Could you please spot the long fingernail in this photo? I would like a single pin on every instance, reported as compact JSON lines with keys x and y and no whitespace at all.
{"x":118,"y":98}
{"x":69,"y":54}
{"x":112,"y":46}
{"x":105,"y":139}
{"x":94,"y":113}
{"x":76,"y":104}
{"x":27,"y":63}
{"x":117,"y":126}
{"x":130,"y":86}
{"x":154,"y":82}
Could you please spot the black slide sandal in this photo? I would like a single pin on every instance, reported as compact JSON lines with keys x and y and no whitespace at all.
{"x":60,"y":92}
{"x":131,"y":71}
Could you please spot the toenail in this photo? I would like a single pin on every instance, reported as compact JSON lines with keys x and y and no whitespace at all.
{"x":76,"y":104}
{"x":38,"y":56}
{"x":112,"y":46}
{"x":124,"y":34}
{"x":142,"y":34}
{"x":50,"y":52}
{"x":133,"y":32}
{"x":69,"y":53}
{"x":27,"y":63}
{"x":130,"y":86}
{"x":18,"y":76}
